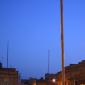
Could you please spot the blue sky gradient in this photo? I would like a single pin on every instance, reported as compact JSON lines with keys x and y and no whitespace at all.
{"x":33,"y":26}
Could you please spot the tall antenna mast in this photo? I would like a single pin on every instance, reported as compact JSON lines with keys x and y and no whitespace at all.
{"x":48,"y":61}
{"x":2,"y":55}
{"x":7,"y":53}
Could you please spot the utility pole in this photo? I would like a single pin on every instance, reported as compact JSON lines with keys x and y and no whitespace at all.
{"x":62,"y":41}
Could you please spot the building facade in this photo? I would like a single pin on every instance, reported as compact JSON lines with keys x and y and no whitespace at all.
{"x":9,"y":76}
{"x":74,"y":74}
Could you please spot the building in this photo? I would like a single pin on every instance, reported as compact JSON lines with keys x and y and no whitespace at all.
{"x":41,"y":82}
{"x":74,"y":74}
{"x":33,"y":81}
{"x":25,"y":82}
{"x":9,"y":76}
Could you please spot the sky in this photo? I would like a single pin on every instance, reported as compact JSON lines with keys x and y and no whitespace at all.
{"x":32,"y":27}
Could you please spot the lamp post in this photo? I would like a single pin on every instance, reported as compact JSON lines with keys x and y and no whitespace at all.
{"x":62,"y":41}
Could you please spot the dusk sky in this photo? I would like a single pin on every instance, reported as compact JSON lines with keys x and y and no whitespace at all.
{"x":33,"y":26}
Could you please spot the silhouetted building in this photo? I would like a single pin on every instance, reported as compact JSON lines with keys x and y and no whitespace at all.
{"x":0,"y":65}
{"x":41,"y":82}
{"x":25,"y":82}
{"x":32,"y":81}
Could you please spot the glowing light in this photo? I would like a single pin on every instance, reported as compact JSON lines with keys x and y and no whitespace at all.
{"x":53,"y":80}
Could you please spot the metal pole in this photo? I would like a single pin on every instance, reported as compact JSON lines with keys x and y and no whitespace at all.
{"x":7,"y":53}
{"x":48,"y":60}
{"x":62,"y":41}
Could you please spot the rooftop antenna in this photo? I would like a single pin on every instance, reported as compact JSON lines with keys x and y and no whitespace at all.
{"x":2,"y":56}
{"x":48,"y":61}
{"x":7,"y":53}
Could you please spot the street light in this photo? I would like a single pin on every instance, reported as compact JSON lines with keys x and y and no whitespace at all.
{"x":53,"y":80}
